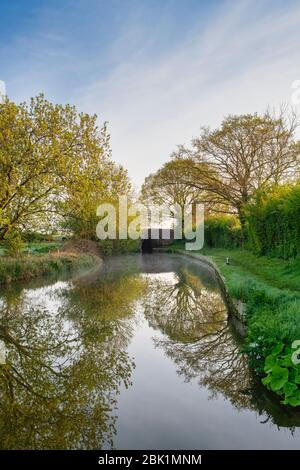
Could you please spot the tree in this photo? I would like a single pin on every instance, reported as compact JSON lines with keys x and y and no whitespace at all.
{"x":99,"y":180}
{"x":165,"y":186}
{"x":52,"y":162}
{"x":172,"y":184}
{"x":246,"y":153}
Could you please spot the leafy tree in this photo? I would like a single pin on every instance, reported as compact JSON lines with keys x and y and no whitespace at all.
{"x":165,"y":187}
{"x":171,"y":185}
{"x":246,"y":153}
{"x":98,"y":180}
{"x":54,"y":162}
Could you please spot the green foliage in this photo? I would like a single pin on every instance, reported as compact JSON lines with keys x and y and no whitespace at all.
{"x":41,"y":248}
{"x":232,"y":162}
{"x":223,"y":232}
{"x":283,"y":374}
{"x":272,"y":316}
{"x":273,"y":222}
{"x":55,"y":164}
{"x":14,"y":244}
{"x":37,"y":237}
{"x":165,"y":186}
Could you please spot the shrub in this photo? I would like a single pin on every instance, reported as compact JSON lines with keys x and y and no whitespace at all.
{"x":37,"y":237}
{"x":272,"y":315}
{"x":283,"y":373}
{"x":223,"y":232}
{"x":14,"y":244}
{"x":273,"y":222}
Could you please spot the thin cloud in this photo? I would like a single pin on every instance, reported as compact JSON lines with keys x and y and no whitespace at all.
{"x":155,"y":88}
{"x":236,"y":65}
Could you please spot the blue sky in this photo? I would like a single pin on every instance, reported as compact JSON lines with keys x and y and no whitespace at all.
{"x":156,"y":70}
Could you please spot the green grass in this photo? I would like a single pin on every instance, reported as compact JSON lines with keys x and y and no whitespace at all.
{"x":272,"y":272}
{"x":41,"y":248}
{"x":35,"y":248}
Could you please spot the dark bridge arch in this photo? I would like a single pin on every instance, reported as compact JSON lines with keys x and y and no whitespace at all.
{"x":147,"y":245}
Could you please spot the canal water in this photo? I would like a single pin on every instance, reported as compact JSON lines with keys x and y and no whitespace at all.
{"x":136,"y":354}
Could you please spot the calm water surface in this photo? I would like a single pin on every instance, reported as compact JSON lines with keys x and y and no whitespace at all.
{"x":138,"y":354}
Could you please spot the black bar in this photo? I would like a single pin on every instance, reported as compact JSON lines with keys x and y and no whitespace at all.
{"x":134,"y":458}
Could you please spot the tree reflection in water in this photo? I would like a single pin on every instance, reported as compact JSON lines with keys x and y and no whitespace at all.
{"x":67,"y":353}
{"x":200,"y":340}
{"x":198,"y":337}
{"x":66,"y":361}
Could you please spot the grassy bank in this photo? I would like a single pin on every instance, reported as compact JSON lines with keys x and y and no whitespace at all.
{"x":34,"y":248}
{"x":270,"y":289}
{"x":37,"y":263}
{"x":273,"y":272}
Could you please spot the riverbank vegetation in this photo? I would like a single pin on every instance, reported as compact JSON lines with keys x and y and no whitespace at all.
{"x":24,"y":269}
{"x":270,"y":290}
{"x":47,"y":258}
{"x":246,"y":173}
